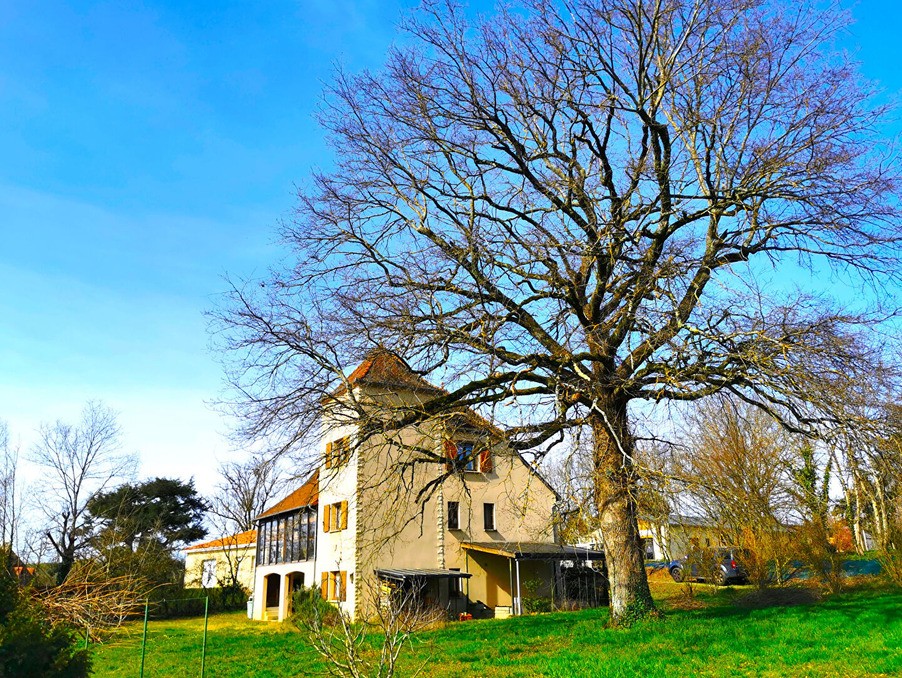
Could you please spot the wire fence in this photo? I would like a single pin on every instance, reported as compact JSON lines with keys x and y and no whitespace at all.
{"x":168,"y":608}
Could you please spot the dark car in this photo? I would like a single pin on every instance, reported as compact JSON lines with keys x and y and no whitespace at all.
{"x":722,"y":565}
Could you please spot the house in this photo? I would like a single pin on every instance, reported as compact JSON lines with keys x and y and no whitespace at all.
{"x":669,"y":538}
{"x":443,"y":509}
{"x":677,"y":535}
{"x":222,"y":562}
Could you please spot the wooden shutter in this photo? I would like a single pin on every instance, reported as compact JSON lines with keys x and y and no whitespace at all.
{"x":451,"y":454}
{"x":327,"y":517}
{"x":328,"y":455}
{"x":342,"y":592}
{"x":343,"y":511}
{"x":485,"y":461}
{"x":324,"y":585}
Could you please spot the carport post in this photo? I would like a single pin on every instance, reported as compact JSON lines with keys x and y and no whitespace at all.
{"x":519,"y":593}
{"x":510,"y":573}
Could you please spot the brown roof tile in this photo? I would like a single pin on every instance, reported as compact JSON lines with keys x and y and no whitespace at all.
{"x":306,"y":495}
{"x":382,"y":367}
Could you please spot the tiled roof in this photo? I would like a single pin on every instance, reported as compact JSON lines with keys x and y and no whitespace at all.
{"x":383,"y":368}
{"x":240,"y":539}
{"x":306,"y":495}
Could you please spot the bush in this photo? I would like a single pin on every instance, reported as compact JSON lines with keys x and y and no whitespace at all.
{"x":536,"y":605}
{"x":169,"y":602}
{"x":309,"y":609}
{"x":32,"y":646}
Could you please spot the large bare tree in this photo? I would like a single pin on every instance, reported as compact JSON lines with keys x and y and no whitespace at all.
{"x":564,"y":209}
{"x":79,"y":463}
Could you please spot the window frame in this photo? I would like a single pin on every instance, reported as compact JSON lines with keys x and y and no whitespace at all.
{"x":206,"y":572}
{"x":488,"y":518}
{"x":453,"y":515}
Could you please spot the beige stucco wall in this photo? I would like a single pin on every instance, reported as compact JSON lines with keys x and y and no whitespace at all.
{"x":398,"y":529}
{"x":240,"y":559}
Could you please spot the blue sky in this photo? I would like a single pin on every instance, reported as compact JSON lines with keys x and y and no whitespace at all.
{"x":148,"y":149}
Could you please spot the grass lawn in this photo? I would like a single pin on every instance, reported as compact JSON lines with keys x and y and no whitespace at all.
{"x":854,"y":634}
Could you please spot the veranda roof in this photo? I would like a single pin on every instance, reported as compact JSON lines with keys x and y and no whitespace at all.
{"x":533,"y":550}
{"x":402,"y":574}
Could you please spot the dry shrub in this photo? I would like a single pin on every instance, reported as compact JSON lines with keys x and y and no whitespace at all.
{"x":823,"y":559}
{"x":90,"y":600}
{"x":686,"y":599}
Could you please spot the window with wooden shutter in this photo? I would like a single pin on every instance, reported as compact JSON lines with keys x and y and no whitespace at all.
{"x":324,"y":585}
{"x":327,"y":516}
{"x":343,"y":583}
{"x":485,"y":461}
{"x":328,"y":455}
{"x":343,"y":510}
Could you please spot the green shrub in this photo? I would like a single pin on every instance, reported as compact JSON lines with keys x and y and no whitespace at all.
{"x":536,"y":605}
{"x":308,"y":607}
{"x":32,"y":646}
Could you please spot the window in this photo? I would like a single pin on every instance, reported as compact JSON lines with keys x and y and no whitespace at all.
{"x":453,"y":515}
{"x":334,"y":585}
{"x":466,"y":460}
{"x":338,"y":452}
{"x":287,"y":538}
{"x":488,"y":517}
{"x":462,"y":456}
{"x":335,"y":517}
{"x":208,"y":573}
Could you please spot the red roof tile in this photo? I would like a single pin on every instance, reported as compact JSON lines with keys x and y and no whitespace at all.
{"x":306,"y":495}
{"x":240,"y":539}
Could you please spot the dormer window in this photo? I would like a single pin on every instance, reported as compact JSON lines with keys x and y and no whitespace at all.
{"x":464,"y":455}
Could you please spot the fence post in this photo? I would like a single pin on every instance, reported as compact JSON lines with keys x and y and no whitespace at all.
{"x":144,"y":636}
{"x":203,"y":655}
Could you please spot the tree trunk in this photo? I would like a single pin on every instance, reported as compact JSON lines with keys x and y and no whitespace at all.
{"x":615,"y":500}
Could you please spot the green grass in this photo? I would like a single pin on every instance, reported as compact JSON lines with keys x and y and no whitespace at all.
{"x":854,"y":634}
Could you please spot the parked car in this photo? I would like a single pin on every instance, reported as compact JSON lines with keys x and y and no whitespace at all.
{"x":723,"y":565}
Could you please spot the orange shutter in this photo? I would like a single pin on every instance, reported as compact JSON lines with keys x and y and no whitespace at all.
{"x":327,"y":515}
{"x":451,"y":454}
{"x":343,"y":511}
{"x":485,"y":461}
{"x":342,"y":593}
{"x":328,"y":455}
{"x":324,"y":585}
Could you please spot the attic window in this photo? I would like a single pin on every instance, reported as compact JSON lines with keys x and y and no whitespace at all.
{"x":463,"y":455}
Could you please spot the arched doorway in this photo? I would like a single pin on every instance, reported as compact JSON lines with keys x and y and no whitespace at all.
{"x":273,"y":587}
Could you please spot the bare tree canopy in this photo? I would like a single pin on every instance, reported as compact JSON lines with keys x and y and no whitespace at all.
{"x":79,"y":462}
{"x":564,"y":208}
{"x":244,"y":491}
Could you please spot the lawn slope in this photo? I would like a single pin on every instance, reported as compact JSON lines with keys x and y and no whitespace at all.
{"x":855,"y":634}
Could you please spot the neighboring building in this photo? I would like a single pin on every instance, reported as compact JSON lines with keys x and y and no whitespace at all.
{"x":677,"y":536}
{"x":221,"y":562}
{"x":669,"y":539}
{"x":468,"y":526}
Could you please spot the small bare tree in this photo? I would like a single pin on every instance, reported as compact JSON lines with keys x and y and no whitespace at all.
{"x":738,"y":470}
{"x":244,"y":491}
{"x":346,"y":646}
{"x":79,"y":461}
